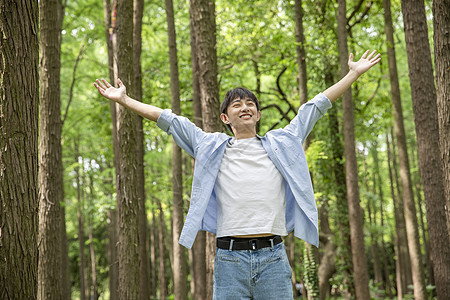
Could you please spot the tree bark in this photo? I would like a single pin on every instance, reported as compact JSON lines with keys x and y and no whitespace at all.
{"x":441,"y":21}
{"x":378,"y":184}
{"x":162,"y":268}
{"x":127,"y":194}
{"x":204,"y":25}
{"x":179,"y":256}
{"x":423,"y":94}
{"x":301,"y":53}
{"x":138,"y":10}
{"x":361,"y":277}
{"x":50,"y":181}
{"x":80,"y":216}
{"x":198,"y":267}
{"x":19,"y":117}
{"x":112,"y":213}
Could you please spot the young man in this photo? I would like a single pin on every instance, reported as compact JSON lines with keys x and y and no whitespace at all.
{"x":248,"y":190}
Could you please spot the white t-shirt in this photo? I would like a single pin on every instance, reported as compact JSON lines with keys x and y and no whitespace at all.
{"x":250,"y":191}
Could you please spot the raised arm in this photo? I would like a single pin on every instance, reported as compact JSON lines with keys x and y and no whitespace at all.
{"x":356,"y":69}
{"x":120,"y":96}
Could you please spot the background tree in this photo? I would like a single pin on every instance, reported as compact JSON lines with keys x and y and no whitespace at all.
{"x":441,"y":21}
{"x":19,"y":102}
{"x":179,"y":255}
{"x":354,"y":208}
{"x":51,"y":194}
{"x":204,"y":24}
{"x":127,"y":196}
{"x":427,"y":130}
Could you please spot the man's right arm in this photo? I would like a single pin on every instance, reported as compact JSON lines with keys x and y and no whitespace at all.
{"x":120,"y":96}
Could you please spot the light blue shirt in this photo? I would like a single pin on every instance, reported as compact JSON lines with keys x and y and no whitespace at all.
{"x":283,"y":146}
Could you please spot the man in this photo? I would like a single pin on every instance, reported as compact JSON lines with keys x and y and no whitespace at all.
{"x":248,"y":190}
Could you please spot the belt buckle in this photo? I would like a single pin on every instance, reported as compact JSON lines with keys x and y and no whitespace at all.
{"x":253,"y":244}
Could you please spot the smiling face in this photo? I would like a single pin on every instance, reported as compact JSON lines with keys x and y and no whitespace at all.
{"x":240,"y":111}
{"x":242,"y":115}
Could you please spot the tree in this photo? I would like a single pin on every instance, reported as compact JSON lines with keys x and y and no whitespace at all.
{"x":423,"y":95}
{"x":127,"y":194}
{"x":50,"y":180}
{"x":179,"y":256}
{"x":356,"y":225}
{"x":198,"y":262}
{"x":204,"y":24}
{"x":441,"y":21}
{"x":112,"y":213}
{"x":19,"y":102}
{"x":138,"y":11}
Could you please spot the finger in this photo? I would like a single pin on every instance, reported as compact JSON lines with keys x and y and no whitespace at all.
{"x":350,"y":58}
{"x":119,"y":82}
{"x":365,"y":54}
{"x":371,"y":54}
{"x":377,"y":57}
{"x":107,"y":84}
{"x":99,"y":83}
{"x":374,"y":62}
{"x":100,"y":90}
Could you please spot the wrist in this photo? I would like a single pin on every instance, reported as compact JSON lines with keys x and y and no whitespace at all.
{"x":353,"y":74}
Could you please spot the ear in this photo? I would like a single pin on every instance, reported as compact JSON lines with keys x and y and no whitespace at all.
{"x":258,"y":115}
{"x":224,"y":118}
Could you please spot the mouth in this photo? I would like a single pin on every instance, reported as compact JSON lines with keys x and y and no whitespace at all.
{"x":245,"y":116}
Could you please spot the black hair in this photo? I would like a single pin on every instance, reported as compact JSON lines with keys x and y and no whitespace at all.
{"x":241,"y":93}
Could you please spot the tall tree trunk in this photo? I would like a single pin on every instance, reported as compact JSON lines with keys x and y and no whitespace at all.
{"x":378,"y":184}
{"x":127,"y":194}
{"x":441,"y":21}
{"x":138,"y":10}
{"x":91,"y":240}
{"x":19,"y":117}
{"x":204,"y":24}
{"x":301,"y":53}
{"x":361,"y":277}
{"x":179,"y":256}
{"x":50,"y":153}
{"x":344,"y":244}
{"x":198,"y":267}
{"x":427,"y":127}
{"x":80,"y":216}
{"x":405,"y":263}
{"x":153,"y":253}
{"x":112,"y":214}
{"x":162,"y":267}
{"x":112,"y":255}
{"x":405,"y":176}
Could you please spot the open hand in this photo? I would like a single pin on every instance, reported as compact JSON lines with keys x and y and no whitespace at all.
{"x":107,"y":90}
{"x":366,"y":62}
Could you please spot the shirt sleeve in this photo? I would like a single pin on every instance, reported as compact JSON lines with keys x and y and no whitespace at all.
{"x":307,"y":116}
{"x":185,"y":133}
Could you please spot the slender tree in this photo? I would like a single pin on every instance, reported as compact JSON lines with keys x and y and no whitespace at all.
{"x":441,"y":21}
{"x":361,"y":276}
{"x":198,"y":262}
{"x":144,"y":272}
{"x":50,"y":153}
{"x":127,"y":194}
{"x":204,"y":25}
{"x":19,"y":102}
{"x":179,"y":256}
{"x":423,"y":94}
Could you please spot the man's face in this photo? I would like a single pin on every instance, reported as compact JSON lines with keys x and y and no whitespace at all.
{"x":241,"y":114}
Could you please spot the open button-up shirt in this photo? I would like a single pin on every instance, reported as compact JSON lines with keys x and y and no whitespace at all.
{"x":283,"y":146}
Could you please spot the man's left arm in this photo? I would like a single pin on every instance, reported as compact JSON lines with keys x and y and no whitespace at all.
{"x":356,"y":69}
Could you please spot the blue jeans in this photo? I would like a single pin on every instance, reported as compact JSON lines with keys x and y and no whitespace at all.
{"x":252,"y":274}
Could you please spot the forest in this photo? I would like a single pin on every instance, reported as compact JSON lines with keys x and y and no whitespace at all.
{"x":93,"y":197}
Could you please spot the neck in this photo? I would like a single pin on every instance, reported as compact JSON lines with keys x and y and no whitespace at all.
{"x":239,"y":135}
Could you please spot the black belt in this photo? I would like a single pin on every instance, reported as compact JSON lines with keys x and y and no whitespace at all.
{"x":233,"y":243}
